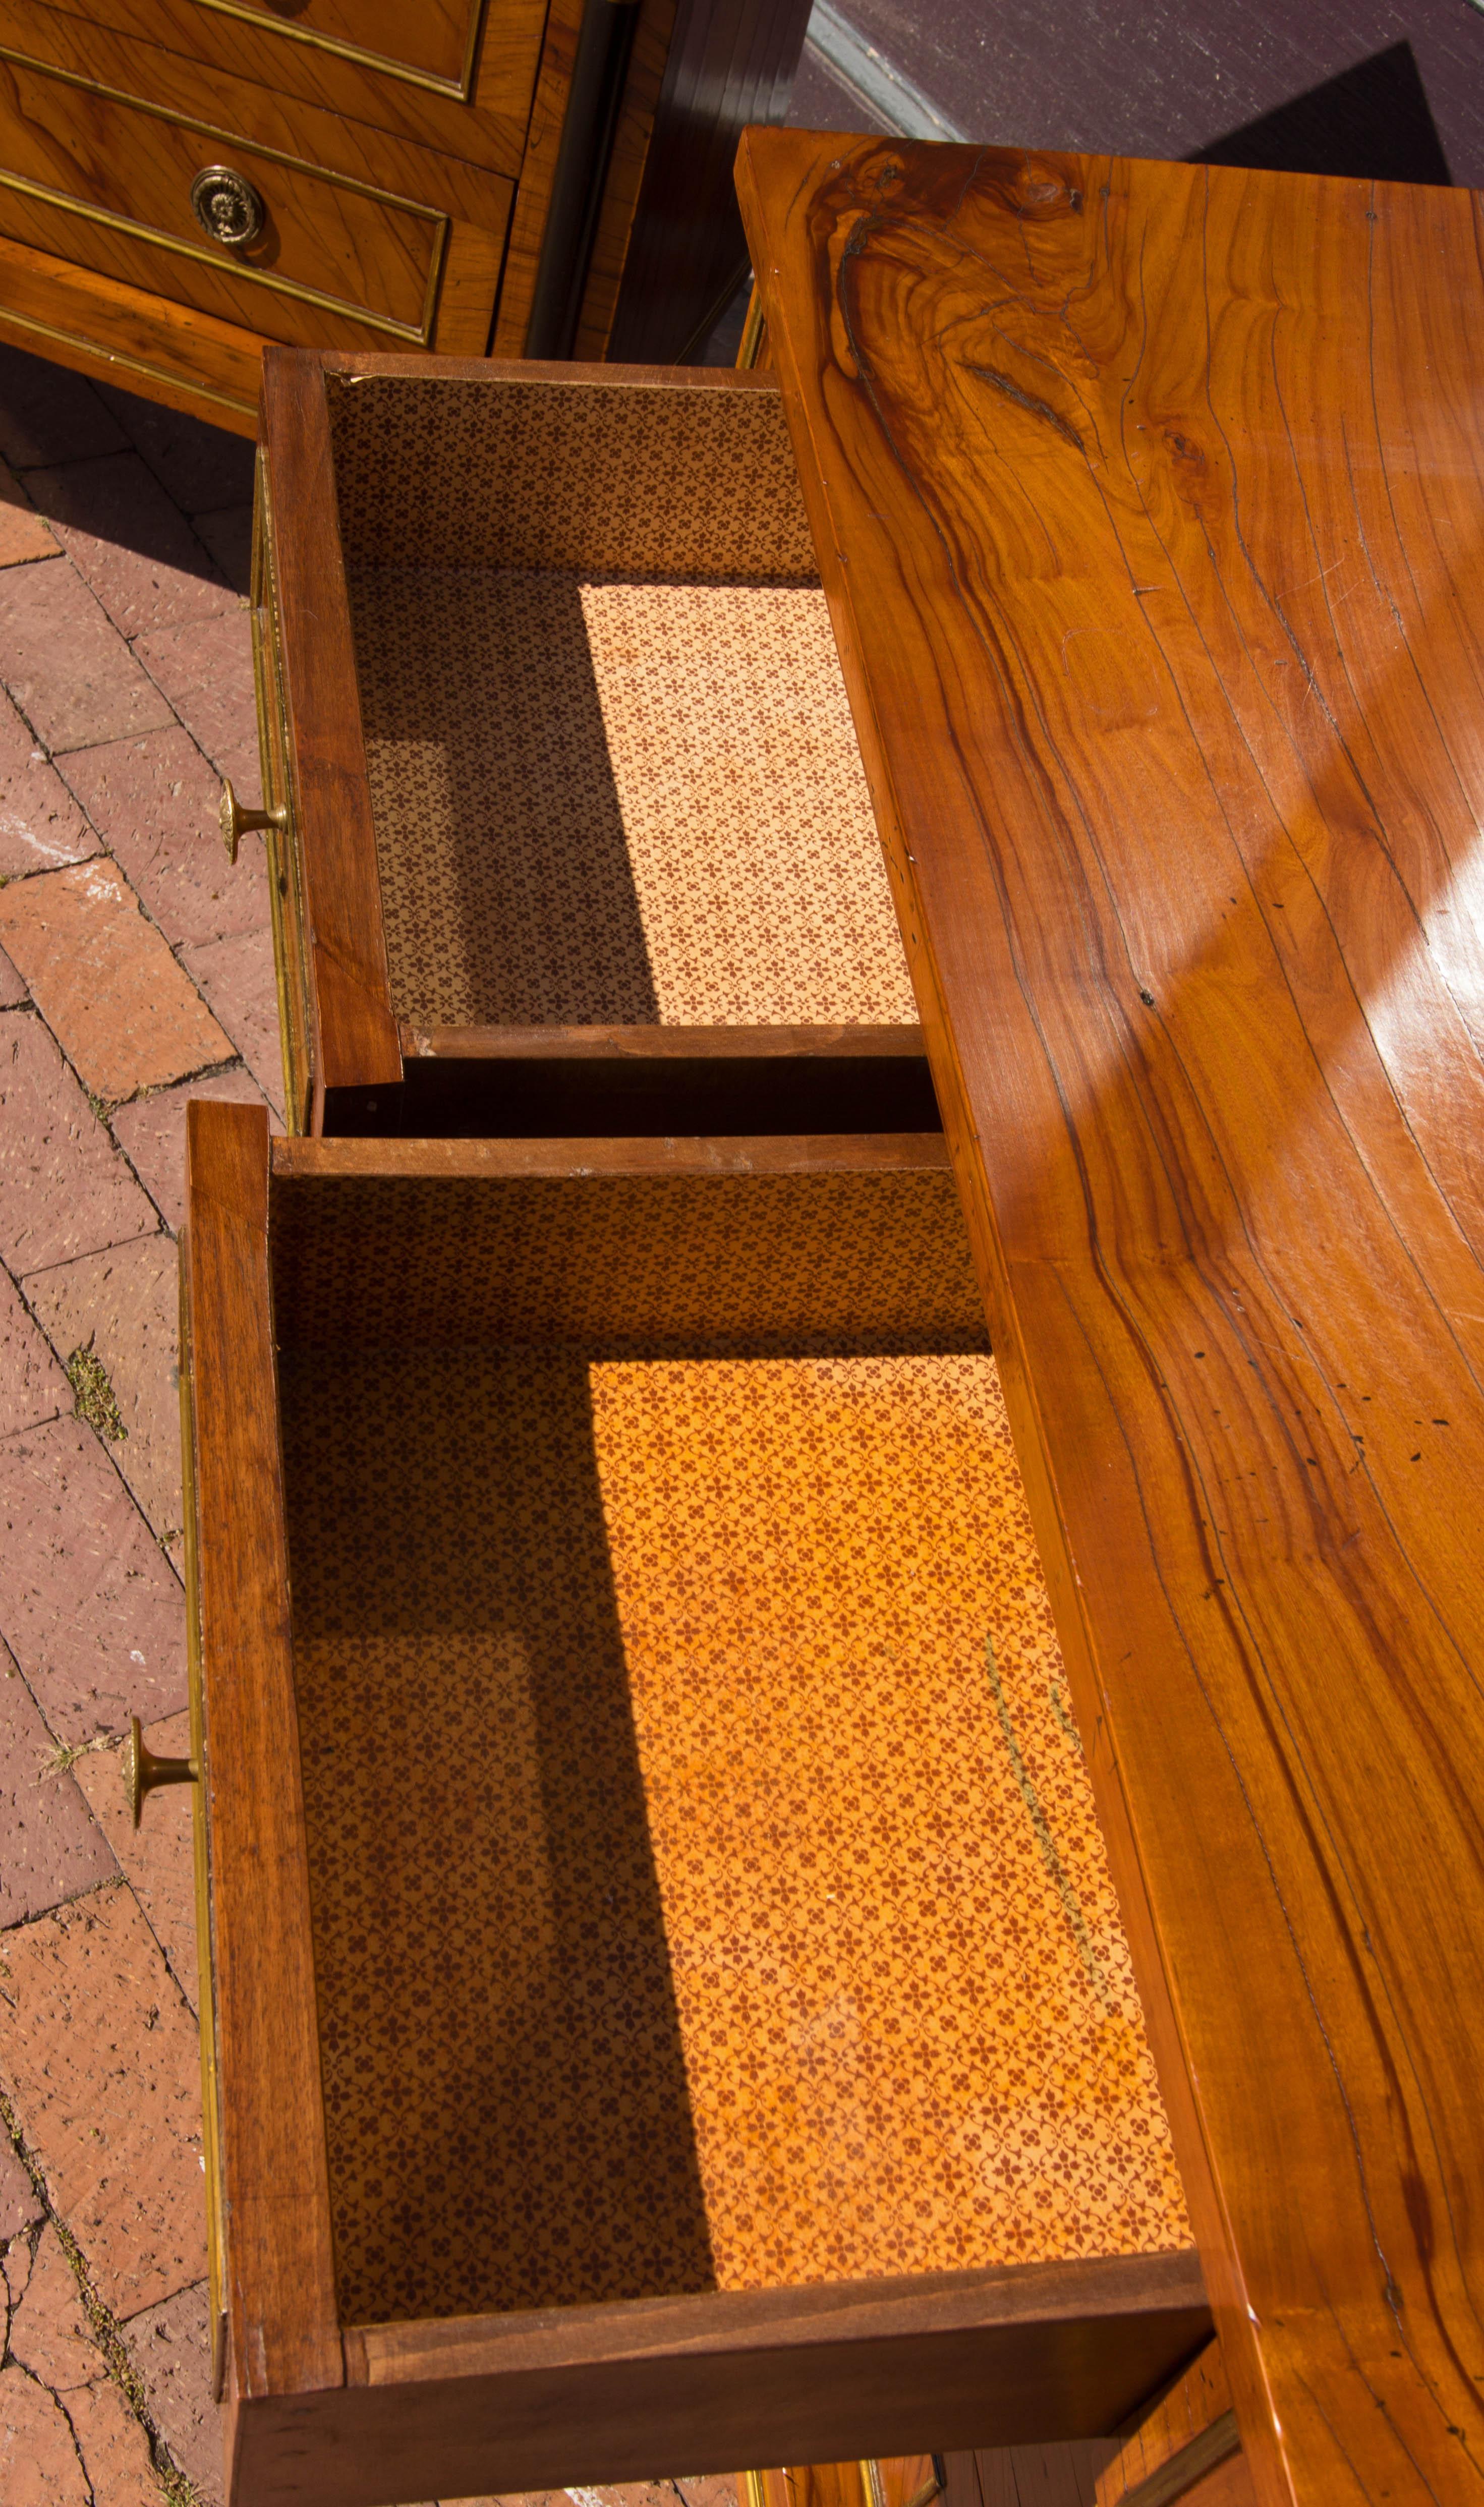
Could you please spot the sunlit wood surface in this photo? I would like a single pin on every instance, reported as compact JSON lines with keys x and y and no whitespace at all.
{"x":1148,"y":500}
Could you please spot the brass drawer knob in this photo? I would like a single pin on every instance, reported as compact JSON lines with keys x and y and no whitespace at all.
{"x":143,"y":1771}
{"x":226,"y":207}
{"x":236,"y":820}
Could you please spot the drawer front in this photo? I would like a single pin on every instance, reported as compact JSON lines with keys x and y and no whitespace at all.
{"x":244,"y":74}
{"x":286,"y":885}
{"x":430,"y":45}
{"x":100,"y":178}
{"x":433,"y":43}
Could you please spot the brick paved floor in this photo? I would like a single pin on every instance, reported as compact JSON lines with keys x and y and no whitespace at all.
{"x":136,"y":971}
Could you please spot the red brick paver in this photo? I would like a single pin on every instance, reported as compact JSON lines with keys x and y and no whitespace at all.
{"x":128,"y":665}
{"x":238,"y":979}
{"x":97,"y":2052}
{"x":130,"y":544}
{"x":64,"y":1189}
{"x":102,"y":977}
{"x":171,"y":2346}
{"x":23,"y":535}
{"x":50,"y":2332}
{"x":156,"y":1858}
{"x":48,"y":414}
{"x":122,"y":1306}
{"x":51,"y":2340}
{"x":114,"y":2448}
{"x":40,"y":2465}
{"x":104,"y":2077}
{"x":206,"y":671}
{"x":32,"y":1386}
{"x":72,"y":676}
{"x":41,"y":826}
{"x":229,"y":538}
{"x":152,"y":1132}
{"x":201,"y":466}
{"x":155,"y":801}
{"x":54,"y":1849}
{"x":88,"y":1606}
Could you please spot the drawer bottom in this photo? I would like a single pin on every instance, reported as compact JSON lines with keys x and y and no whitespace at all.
{"x":707,"y":1887}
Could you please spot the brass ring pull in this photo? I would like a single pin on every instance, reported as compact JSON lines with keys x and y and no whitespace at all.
{"x":143,"y":1771}
{"x":227,"y":206}
{"x":236,"y":820}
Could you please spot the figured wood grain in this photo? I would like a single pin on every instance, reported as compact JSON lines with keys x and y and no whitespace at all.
{"x":771,"y":1153}
{"x":1146,"y":501}
{"x":467,"y":289}
{"x":668,"y":1044}
{"x":233,"y":109}
{"x":124,"y":334}
{"x":357,"y":82}
{"x":354,"y":1036}
{"x":587,"y":2394}
{"x":1199,"y":2401}
{"x":1061,"y":2475}
{"x":283,"y":2336}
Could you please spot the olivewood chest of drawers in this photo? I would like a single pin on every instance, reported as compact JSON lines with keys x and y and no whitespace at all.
{"x":182,"y":181}
{"x":668,"y":2000}
{"x":568,"y":826}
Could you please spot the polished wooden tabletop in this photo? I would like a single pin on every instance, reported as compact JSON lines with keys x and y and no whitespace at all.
{"x":1148,"y":502}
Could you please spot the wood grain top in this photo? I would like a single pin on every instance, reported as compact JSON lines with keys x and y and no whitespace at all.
{"x":1147,"y":500}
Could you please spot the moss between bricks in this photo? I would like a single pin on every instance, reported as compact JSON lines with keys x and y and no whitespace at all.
{"x":180,"y":2491}
{"x":93,"y":1394}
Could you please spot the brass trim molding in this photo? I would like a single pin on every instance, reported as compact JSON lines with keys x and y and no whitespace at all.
{"x":460,"y":89}
{"x":439,"y":219}
{"x":10,"y":321}
{"x":418,"y":333}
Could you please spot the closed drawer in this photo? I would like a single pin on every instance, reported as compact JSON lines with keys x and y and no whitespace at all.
{"x":431,"y":46}
{"x":99,"y":178}
{"x":432,"y":43}
{"x":590,"y":781}
{"x":653,"y":1818}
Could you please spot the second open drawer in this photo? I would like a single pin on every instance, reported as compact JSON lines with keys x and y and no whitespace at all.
{"x":670,"y":2004}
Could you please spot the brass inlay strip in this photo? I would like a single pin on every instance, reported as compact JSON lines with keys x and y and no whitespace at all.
{"x":10,"y":321}
{"x":461,"y":88}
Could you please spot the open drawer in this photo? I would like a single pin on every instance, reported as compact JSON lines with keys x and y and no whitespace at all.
{"x":574,"y":834}
{"x":670,"y":2001}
